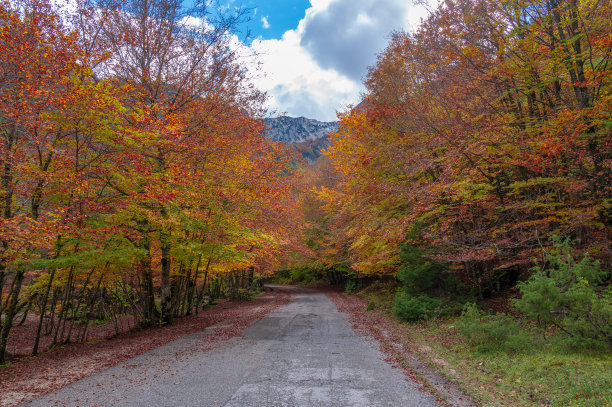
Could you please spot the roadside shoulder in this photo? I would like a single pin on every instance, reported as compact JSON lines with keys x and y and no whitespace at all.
{"x":400,"y":354}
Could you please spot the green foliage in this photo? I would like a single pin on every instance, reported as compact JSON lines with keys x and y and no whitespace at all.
{"x":283,"y":274}
{"x":417,"y":308}
{"x":491,"y":332}
{"x":304,"y":275}
{"x":215,"y":289}
{"x":568,"y":296}
{"x":351,"y":287}
{"x":418,"y":274}
{"x":429,"y":290}
{"x":314,"y":273}
{"x":242,"y":294}
{"x":540,"y":373}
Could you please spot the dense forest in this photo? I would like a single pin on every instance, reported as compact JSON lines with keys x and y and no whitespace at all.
{"x":481,"y":153}
{"x":484,"y":133}
{"x":137,"y":179}
{"x":134,"y":170}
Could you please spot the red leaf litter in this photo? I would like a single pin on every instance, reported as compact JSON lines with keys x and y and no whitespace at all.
{"x":29,"y":377}
{"x":21,"y":340}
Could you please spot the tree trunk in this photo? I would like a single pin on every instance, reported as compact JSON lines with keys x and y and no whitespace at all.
{"x":166,"y":289}
{"x":43,"y":308}
{"x":10,"y":313}
{"x":149,"y":310}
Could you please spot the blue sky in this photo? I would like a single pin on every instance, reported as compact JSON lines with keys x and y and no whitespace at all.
{"x":312,"y":55}
{"x":271,"y":18}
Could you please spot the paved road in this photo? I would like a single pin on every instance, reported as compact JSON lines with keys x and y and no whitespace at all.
{"x":304,"y":354}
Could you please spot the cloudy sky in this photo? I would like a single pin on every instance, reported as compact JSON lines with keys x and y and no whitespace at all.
{"x":314,"y":54}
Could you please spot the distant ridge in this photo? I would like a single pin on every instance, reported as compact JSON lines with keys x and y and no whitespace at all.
{"x":309,"y":136}
{"x":297,"y":129}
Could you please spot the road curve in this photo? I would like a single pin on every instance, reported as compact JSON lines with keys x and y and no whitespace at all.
{"x":303,"y":354}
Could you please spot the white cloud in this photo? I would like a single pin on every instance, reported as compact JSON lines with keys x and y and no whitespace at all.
{"x":296,"y":84}
{"x":317,"y":68}
{"x":265,"y":23}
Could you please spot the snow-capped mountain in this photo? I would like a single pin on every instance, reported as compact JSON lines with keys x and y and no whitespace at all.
{"x":308,"y":136}
{"x":297,"y":129}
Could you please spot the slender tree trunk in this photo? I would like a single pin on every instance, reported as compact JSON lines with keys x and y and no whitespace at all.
{"x":251,"y":277}
{"x":7,"y":213}
{"x":194,"y":287}
{"x":91,"y":308}
{"x":76,"y":310}
{"x":203,"y":290}
{"x":43,"y":309}
{"x":149,"y":310}
{"x":166,"y":289}
{"x":51,"y":321}
{"x":2,"y":268}
{"x":64,"y":310}
{"x":10,"y":313}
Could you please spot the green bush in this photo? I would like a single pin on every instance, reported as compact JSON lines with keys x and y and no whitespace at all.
{"x":242,"y":294}
{"x":351,"y":287}
{"x":419,"y":274}
{"x":305,"y":276}
{"x":283,"y":273}
{"x":419,"y":308}
{"x":429,"y":290}
{"x":215,"y":289}
{"x":568,"y":295}
{"x":491,"y":332}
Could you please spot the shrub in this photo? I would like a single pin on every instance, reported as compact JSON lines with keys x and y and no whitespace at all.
{"x":429,"y":290}
{"x":283,"y":273}
{"x":242,"y":294}
{"x":491,"y":332}
{"x":419,"y":274}
{"x":419,"y":308}
{"x":305,"y":275}
{"x":567,"y":296}
{"x":351,"y":287}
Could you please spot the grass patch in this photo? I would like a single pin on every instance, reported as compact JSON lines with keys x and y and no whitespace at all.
{"x":533,"y":371}
{"x":380,"y":293}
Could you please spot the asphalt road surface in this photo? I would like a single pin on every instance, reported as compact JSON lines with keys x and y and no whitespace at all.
{"x":303,"y":354}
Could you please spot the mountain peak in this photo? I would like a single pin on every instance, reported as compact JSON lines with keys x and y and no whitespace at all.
{"x":308,"y":136}
{"x":297,"y":129}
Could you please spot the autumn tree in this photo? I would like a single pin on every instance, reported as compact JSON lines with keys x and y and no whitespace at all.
{"x":134,"y":165}
{"x":488,"y":128}
{"x":47,"y":128}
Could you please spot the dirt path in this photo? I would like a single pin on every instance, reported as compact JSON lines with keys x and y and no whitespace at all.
{"x":303,"y":354}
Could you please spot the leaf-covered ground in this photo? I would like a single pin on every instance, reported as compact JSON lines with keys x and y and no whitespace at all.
{"x":21,"y":341}
{"x":28,"y":377}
